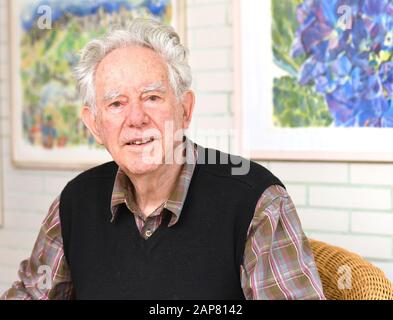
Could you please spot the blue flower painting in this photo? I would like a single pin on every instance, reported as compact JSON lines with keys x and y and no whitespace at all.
{"x":337,"y":58}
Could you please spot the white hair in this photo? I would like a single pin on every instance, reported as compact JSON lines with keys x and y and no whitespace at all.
{"x":140,"y":32}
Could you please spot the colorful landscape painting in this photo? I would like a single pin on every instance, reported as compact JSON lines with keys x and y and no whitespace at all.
{"x":336,"y":63}
{"x":50,"y":103}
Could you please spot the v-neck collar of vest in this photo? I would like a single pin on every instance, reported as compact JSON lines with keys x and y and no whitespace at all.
{"x":121,"y":192}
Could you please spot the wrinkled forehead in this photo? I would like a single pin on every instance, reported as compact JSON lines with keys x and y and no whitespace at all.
{"x":136,"y":67}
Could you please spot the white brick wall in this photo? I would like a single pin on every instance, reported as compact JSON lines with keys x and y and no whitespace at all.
{"x":208,"y":14}
{"x":311,"y":172}
{"x":351,"y":197}
{"x":349,"y":205}
{"x":298,"y":193}
{"x":381,"y":174}
{"x":373,"y":247}
{"x":324,"y":219}
{"x":374,"y":223}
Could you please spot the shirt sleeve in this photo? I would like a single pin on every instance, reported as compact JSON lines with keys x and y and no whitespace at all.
{"x":278,"y":262}
{"x":45,"y":275}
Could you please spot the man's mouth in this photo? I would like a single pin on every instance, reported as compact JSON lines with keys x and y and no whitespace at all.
{"x":140,"y":142}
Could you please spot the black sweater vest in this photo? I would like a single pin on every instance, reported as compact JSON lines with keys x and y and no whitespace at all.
{"x":197,"y":258}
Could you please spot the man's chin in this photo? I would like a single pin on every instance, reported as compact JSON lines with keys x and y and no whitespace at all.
{"x":140,"y":168}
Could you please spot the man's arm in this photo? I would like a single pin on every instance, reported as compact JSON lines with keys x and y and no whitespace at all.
{"x":45,"y":275}
{"x":278,"y":262}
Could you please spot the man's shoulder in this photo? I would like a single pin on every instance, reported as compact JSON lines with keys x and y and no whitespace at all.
{"x":104,"y":171}
{"x":235,"y":168}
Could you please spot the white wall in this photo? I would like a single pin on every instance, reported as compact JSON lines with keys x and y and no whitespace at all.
{"x":350,"y":205}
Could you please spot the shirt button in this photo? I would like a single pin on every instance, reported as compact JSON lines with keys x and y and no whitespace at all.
{"x":148,"y":233}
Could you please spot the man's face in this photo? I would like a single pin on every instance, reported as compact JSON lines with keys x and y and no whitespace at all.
{"x":135,"y":108}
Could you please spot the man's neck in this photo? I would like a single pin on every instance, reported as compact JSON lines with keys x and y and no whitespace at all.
{"x":155,"y":188}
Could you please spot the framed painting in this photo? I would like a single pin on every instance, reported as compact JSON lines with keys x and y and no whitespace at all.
{"x":46,"y":37}
{"x":314,"y":79}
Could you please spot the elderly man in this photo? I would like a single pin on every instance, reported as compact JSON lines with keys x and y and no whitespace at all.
{"x":167,"y":219}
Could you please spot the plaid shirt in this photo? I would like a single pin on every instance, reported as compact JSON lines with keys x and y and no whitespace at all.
{"x":277,"y":264}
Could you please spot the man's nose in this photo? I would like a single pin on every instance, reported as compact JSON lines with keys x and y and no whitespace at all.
{"x":136,"y":116}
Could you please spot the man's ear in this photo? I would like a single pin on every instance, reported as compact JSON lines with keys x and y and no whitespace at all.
{"x":188,"y":104}
{"x":89,"y":119}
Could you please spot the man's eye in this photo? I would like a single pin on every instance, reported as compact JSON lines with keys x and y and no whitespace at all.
{"x":115,"y":104}
{"x":154,"y":98}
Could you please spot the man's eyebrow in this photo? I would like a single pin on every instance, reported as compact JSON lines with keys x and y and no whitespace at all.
{"x":111,"y":96}
{"x":158,"y":86}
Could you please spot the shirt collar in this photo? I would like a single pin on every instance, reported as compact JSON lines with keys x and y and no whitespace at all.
{"x":122,"y":188}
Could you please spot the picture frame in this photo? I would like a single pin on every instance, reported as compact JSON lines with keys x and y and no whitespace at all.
{"x":47,"y":131}
{"x":258,"y":135}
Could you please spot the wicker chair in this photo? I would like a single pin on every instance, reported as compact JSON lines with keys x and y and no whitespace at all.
{"x":367,"y":281}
